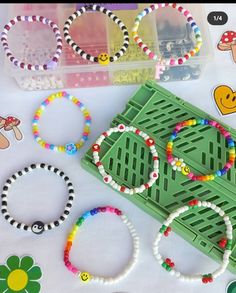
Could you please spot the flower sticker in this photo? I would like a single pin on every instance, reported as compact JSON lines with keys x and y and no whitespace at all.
{"x":20,"y":275}
{"x":178,"y":164}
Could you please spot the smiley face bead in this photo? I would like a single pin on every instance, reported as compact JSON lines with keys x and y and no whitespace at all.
{"x":85,"y":277}
{"x":185,"y":170}
{"x":103,"y":59}
{"x":37,"y":227}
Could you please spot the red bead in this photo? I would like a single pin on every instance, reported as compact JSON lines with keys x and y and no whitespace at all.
{"x":103,"y":209}
{"x":180,"y":9}
{"x":7,"y":27}
{"x":137,"y":131}
{"x":174,"y":5}
{"x":105,"y":134}
{"x":41,"y":18}
{"x":204,"y":280}
{"x":18,"y":18}
{"x":146,"y":185}
{"x":168,"y":229}
{"x":98,"y":164}
{"x":166,"y":233}
{"x":34,"y":17}
{"x":168,"y":261}
{"x":29,"y":66}
{"x":180,"y":61}
{"x":122,"y":188}
{"x":186,"y":56}
{"x":172,"y":264}
{"x":12,"y":22}
{"x":145,"y":49}
{"x":155,"y":158}
{"x":96,"y":147}
{"x":150,"y":142}
{"x":140,"y":44}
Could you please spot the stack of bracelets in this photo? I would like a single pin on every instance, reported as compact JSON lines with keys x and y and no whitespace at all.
{"x":34,"y":18}
{"x":85,"y":276}
{"x":69,"y":148}
{"x":179,"y":165}
{"x":162,"y":63}
{"x":225,"y":243}
{"x":103,"y":58}
{"x":37,"y":227}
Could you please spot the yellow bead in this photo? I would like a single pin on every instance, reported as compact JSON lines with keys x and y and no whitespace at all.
{"x":85,"y":277}
{"x":185,"y":170}
{"x":178,"y":163}
{"x":103,"y":59}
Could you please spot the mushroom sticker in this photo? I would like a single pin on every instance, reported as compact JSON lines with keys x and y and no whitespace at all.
{"x":228,"y":43}
{"x":9,"y":123}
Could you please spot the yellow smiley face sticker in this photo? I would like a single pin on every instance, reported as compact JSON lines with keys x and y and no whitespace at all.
{"x":185,"y":170}
{"x":103,"y":59}
{"x":85,"y":277}
{"x":225,"y":99}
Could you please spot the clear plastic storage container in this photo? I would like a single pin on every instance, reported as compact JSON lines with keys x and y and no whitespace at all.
{"x":165,"y":31}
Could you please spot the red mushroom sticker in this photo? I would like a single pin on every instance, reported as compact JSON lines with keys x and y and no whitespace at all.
{"x":228,"y":43}
{"x":11,"y":123}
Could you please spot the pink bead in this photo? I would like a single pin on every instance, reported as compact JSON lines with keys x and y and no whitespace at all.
{"x":227,"y":134}
{"x":214,"y":123}
{"x":47,"y":101}
{"x":36,"y":133}
{"x":36,"y":117}
{"x":228,"y":165}
{"x":47,"y":145}
{"x":170,"y":159}
{"x":172,"y":61}
{"x":190,"y":175}
{"x":177,"y":128}
{"x":74,"y":270}
{"x":151,"y":55}
{"x":159,"y":6}
{"x":78,"y":103}
{"x":186,"y":12}
{"x":63,"y":93}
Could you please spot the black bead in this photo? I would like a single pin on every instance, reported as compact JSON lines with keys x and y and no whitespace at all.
{"x":4,"y":211}
{"x":71,"y":191}
{"x":119,"y":22}
{"x":49,"y":227}
{"x":26,"y":169}
{"x":42,"y":165}
{"x":20,"y":173}
{"x":123,"y":27}
{"x":8,"y":181}
{"x":66,"y":178}
{"x":4,"y":203}
{"x":65,"y":35}
{"x":4,"y":195}
{"x":117,"y":54}
{"x":126,"y":34}
{"x":104,"y":10}
{"x":69,"y":184}
{"x":71,"y":18}
{"x":98,"y":8}
{"x":66,"y":212}
{"x":62,"y":173}
{"x":56,"y":170}
{"x":88,"y":56}
{"x":71,"y":197}
{"x":115,"y":18}
{"x":95,"y":59}
{"x":33,"y":166}
{"x":110,"y":14}
{"x":67,"y":22}
{"x":25,"y":228}
{"x":62,"y":218}
{"x":18,"y":225}
{"x":111,"y":59}
{"x":5,"y":188}
{"x":76,"y":13}
{"x":81,"y":10}
{"x":69,"y":205}
{"x":14,"y":176}
{"x":126,"y":45}
{"x":7,"y":217}
{"x":56,"y":223}
{"x":49,"y":167}
{"x":12,"y":222}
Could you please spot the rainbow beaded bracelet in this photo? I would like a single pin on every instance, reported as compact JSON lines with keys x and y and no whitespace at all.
{"x":225,"y":243}
{"x":162,"y":63}
{"x":85,"y":276}
{"x":108,"y":178}
{"x":103,"y":58}
{"x":70,"y":148}
{"x":51,"y":64}
{"x":179,"y":165}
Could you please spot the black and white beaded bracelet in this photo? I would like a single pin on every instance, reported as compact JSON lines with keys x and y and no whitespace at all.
{"x":37,"y":227}
{"x":103,"y":58}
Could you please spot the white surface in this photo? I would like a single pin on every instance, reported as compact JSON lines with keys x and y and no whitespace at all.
{"x":100,"y":248}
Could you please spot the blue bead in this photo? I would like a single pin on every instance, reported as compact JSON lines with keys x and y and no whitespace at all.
{"x":196,"y":30}
{"x":174,"y":133}
{"x":71,"y":149}
{"x":146,"y":9}
{"x":92,"y":213}
{"x":223,"y":171}
{"x":206,"y":122}
{"x":85,"y":137}
{"x":51,"y":146}
{"x":86,"y":215}
{"x":193,"y":24}
{"x":218,"y":173}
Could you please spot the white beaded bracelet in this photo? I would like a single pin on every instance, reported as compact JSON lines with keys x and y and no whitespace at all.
{"x":108,"y":178}
{"x":37,"y":227}
{"x":225,"y":243}
{"x":51,"y":64}
{"x":85,"y":276}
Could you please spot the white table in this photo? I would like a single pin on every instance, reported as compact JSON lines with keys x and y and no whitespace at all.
{"x":101,"y":248}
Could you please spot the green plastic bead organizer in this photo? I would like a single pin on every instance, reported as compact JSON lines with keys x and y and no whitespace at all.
{"x":126,"y":157}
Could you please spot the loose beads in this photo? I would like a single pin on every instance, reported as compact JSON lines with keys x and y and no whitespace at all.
{"x":162,"y":63}
{"x":107,"y":178}
{"x":37,"y":227}
{"x":225,"y":243}
{"x":179,"y":165}
{"x":70,"y":148}
{"x":51,"y":64}
{"x":103,"y":58}
{"x":85,"y":276}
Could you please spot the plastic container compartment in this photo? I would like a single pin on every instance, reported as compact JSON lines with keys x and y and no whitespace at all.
{"x":96,"y":33}
{"x":126,"y":157}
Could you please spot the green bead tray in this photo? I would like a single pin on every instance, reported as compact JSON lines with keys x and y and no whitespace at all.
{"x":126,"y":157}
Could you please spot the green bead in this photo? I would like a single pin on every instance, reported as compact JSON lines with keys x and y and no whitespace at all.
{"x":168,"y":268}
{"x":80,"y":221}
{"x":164,"y":265}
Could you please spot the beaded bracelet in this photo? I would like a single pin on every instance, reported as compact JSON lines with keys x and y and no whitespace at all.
{"x":51,"y":64}
{"x":179,"y":165}
{"x":108,"y":178}
{"x":103,"y":58}
{"x":225,"y":243}
{"x":70,"y":148}
{"x":162,"y":63}
{"x":85,"y":276}
{"x":37,"y":227}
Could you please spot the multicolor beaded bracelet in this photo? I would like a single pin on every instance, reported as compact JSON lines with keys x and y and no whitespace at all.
{"x":108,"y":178}
{"x":162,"y":63}
{"x":85,"y":276}
{"x":179,"y":165}
{"x":70,"y":148}
{"x":103,"y":58}
{"x":225,"y":243}
{"x":37,"y":227}
{"x":51,"y":64}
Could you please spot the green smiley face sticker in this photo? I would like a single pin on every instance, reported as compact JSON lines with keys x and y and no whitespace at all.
{"x":231,"y":288}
